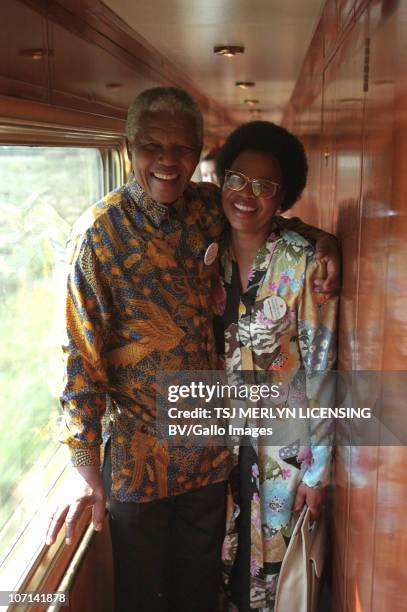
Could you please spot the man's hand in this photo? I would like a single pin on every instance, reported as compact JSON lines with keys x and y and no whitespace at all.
{"x":314,"y":498}
{"x":84,"y":489}
{"x":327,"y":251}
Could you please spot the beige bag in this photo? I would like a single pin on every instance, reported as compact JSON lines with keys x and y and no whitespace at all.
{"x":298,"y":583}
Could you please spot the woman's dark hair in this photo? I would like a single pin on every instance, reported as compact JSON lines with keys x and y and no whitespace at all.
{"x":267,"y":137}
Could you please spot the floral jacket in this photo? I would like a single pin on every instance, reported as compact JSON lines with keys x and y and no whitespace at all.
{"x":281,"y":327}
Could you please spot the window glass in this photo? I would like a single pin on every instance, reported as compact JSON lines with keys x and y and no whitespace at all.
{"x":43,"y":190}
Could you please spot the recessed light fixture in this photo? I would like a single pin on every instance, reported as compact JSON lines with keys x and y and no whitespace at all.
{"x":349,"y":100}
{"x":251,"y":101}
{"x":35,"y":54}
{"x":228,"y":50}
{"x":245,"y":84}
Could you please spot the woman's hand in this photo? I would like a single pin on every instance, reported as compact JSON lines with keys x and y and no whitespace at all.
{"x":313,"y":497}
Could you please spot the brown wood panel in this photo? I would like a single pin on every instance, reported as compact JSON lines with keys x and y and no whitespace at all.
{"x":328,"y":153}
{"x":361,"y":529}
{"x":22,"y":29}
{"x":364,"y":182}
{"x":390,"y":534}
{"x":309,"y":207}
{"x":389,"y":99}
{"x":337,"y":602}
{"x":95,"y":22}
{"x":379,"y":176}
{"x":361,"y":5}
{"x":85,"y":71}
{"x":330,"y":27}
{"x":309,"y":85}
{"x":43,"y":116}
{"x":23,"y":90}
{"x":346,"y":12}
{"x":96,"y":63}
{"x":345,"y":75}
{"x":395,"y":343}
{"x":307,"y":123}
{"x":342,"y":463}
{"x":92,"y":590}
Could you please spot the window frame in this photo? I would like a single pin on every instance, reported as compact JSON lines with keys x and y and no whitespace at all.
{"x":49,"y":564}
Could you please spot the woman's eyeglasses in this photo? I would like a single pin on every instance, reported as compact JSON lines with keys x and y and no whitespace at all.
{"x":262,"y":188}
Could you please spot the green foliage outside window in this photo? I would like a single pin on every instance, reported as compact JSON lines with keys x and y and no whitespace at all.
{"x":43,"y":190}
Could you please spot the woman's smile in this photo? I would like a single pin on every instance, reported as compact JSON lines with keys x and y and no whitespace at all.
{"x":245,"y":207}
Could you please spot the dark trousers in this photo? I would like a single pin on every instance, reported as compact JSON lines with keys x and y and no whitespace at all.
{"x":167,"y":552}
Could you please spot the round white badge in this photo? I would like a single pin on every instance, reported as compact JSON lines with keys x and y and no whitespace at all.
{"x":274,"y":308}
{"x":211,"y":253}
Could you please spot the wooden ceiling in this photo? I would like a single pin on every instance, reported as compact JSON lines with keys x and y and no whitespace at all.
{"x":276,"y":36}
{"x":99,"y":55}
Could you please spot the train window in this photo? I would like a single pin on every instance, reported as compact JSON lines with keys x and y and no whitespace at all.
{"x":43,"y":190}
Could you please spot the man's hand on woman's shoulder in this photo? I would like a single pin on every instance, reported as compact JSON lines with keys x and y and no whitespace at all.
{"x":328,"y":252}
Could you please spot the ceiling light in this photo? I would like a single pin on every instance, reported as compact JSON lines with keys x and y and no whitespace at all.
{"x":228,"y":50}
{"x":35,"y":54}
{"x":245,"y":84}
{"x":349,"y":100}
{"x":251,"y":102}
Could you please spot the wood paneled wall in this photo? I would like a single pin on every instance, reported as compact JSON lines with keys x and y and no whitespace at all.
{"x":92,"y":66}
{"x":92,"y":589}
{"x":350,"y":107}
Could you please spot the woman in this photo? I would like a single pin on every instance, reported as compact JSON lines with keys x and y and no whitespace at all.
{"x":273,"y":322}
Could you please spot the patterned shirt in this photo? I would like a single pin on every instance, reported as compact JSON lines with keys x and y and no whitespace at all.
{"x":138,"y":301}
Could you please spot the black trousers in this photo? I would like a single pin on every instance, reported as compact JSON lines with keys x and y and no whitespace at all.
{"x":167,"y":552}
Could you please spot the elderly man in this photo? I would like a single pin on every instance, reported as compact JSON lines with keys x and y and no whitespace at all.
{"x":138,"y":301}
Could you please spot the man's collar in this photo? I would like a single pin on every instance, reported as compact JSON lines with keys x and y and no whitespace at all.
{"x":153,"y":210}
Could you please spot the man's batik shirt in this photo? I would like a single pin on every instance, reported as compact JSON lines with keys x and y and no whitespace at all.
{"x":138,"y":301}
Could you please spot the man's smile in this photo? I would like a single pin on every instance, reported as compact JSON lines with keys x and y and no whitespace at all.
{"x":165,"y":177}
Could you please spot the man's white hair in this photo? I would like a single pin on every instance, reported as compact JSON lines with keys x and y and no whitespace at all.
{"x":169,"y":99}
